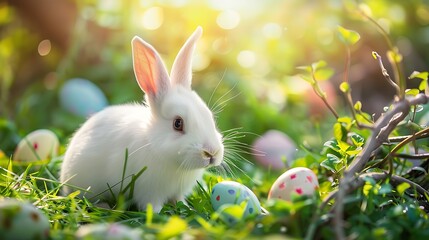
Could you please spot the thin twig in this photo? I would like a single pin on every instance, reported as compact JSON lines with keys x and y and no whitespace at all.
{"x":419,"y":156}
{"x":402,"y":138}
{"x":396,"y":66}
{"x":385,"y":73}
{"x":316,"y":87}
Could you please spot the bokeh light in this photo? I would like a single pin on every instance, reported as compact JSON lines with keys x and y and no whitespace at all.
{"x":44,"y":47}
{"x":228,"y":19}
{"x":152,"y":18}
{"x":246,"y":58}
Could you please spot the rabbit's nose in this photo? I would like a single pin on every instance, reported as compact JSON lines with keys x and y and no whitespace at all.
{"x":209,"y":156}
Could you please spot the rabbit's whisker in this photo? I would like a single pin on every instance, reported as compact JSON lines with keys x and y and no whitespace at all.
{"x":217,"y":86}
{"x":219,"y":104}
{"x":138,"y":149}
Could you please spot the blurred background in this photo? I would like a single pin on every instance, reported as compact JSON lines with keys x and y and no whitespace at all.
{"x":248,"y":54}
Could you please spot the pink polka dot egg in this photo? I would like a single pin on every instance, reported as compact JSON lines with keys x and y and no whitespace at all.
{"x":299,"y":181}
{"x":230,"y":192}
{"x":41,"y":144}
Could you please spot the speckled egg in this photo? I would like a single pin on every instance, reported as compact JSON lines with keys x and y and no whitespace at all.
{"x":273,"y":148}
{"x":38,"y":145}
{"x":21,"y":220}
{"x":229,"y":192}
{"x":112,"y":231}
{"x":295,"y":181}
{"x":82,"y":97}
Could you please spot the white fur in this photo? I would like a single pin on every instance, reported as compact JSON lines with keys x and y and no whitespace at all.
{"x":174,"y":160}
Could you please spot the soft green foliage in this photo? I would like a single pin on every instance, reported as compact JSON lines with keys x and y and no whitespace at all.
{"x":349,"y":37}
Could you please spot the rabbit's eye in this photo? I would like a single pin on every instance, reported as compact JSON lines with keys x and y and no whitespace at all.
{"x":178,"y":124}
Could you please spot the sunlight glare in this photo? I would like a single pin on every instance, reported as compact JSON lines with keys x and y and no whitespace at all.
{"x":246,"y":58}
{"x":228,"y":19}
{"x":200,"y":62}
{"x":272,"y":30}
{"x":153,"y":18}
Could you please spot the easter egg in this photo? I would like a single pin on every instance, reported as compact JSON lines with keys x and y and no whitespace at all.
{"x":112,"y":231}
{"x":296,"y":181}
{"x":21,"y":220}
{"x":272,"y":148}
{"x":38,"y":145}
{"x":229,"y":192}
{"x":82,"y":97}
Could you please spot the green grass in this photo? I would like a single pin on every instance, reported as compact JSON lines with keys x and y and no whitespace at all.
{"x":377,"y":209}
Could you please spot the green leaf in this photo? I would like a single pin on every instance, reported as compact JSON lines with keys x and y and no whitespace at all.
{"x":385,"y":189}
{"x":331,"y":162}
{"x":349,"y":37}
{"x":421,"y":75}
{"x":394,"y":56}
{"x":172,"y":228}
{"x":323,"y":74}
{"x":318,"y":65}
{"x":358,"y":106}
{"x":412,"y":92}
{"x":402,"y":187}
{"x":344,"y":87}
{"x":149,"y":214}
{"x":307,"y":69}
{"x":332,"y":144}
{"x":367,"y":188}
{"x":343,"y":146}
{"x":423,"y":85}
{"x":338,"y":132}
{"x":357,"y":139}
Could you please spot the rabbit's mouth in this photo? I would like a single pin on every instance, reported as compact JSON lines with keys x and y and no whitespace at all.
{"x":212,"y":159}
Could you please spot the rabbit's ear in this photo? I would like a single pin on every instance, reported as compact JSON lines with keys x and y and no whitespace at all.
{"x":181,"y":72}
{"x":149,"y":69}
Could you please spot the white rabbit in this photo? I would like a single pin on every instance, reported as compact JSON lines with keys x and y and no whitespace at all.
{"x":173,"y":134}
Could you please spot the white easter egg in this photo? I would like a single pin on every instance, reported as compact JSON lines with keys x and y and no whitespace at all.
{"x":296,"y":181}
{"x":112,"y":231}
{"x":272,"y":148}
{"x":82,"y":97}
{"x":229,"y":192}
{"x":21,"y":220}
{"x":38,"y":145}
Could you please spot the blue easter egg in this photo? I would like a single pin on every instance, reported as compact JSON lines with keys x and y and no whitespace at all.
{"x":229,"y":192}
{"x":82,"y":97}
{"x":22,"y":220}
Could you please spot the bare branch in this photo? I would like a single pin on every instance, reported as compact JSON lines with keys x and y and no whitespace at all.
{"x":382,"y":129}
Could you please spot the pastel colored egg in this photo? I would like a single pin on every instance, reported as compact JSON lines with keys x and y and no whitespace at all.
{"x":296,"y":181}
{"x":82,"y":97}
{"x":273,"y":148}
{"x":21,"y":220}
{"x":112,"y":231}
{"x":38,"y":145}
{"x":234,"y":193}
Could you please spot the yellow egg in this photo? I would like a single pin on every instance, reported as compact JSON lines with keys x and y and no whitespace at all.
{"x":38,"y":145}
